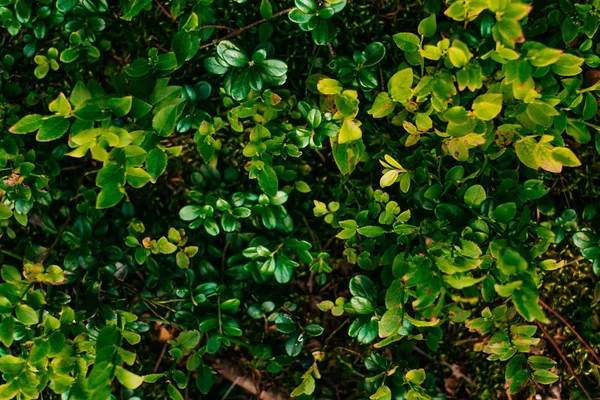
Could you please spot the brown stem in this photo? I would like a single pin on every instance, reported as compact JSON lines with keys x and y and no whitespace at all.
{"x":240,"y":30}
{"x":230,"y":372}
{"x":217,"y":27}
{"x":152,"y":37}
{"x":164,"y":10}
{"x":162,"y":354}
{"x":564,"y":321}
{"x":331,"y":51}
{"x":564,"y":358}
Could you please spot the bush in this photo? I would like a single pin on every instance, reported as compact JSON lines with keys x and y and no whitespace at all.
{"x":222,"y":198}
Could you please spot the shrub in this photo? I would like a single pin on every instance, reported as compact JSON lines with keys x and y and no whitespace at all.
{"x":311,"y":193}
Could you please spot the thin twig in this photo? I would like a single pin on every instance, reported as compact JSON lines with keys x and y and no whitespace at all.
{"x":564,"y":321}
{"x":240,"y":30}
{"x":164,"y":10}
{"x":11,"y":254}
{"x":564,"y":358}
{"x":158,"y":45}
{"x":233,"y":384}
{"x":217,"y":27}
{"x":162,"y":354}
{"x":331,"y":51}
{"x":454,"y":368}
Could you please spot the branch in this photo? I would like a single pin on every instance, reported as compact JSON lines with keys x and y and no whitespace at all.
{"x":564,"y":321}
{"x":564,"y":358}
{"x":164,"y":10}
{"x":230,"y":372}
{"x":217,"y":27}
{"x":240,"y":30}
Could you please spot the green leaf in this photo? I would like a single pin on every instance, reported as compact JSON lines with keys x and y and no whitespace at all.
{"x":545,"y":377}
{"x":165,"y":246}
{"x":5,"y":212}
{"x":383,"y":393}
{"x":399,"y":85}
{"x":266,"y":9}
{"x":275,"y":68}
{"x":137,"y":177}
{"x":374,"y":53}
{"x":26,"y":315}
{"x":541,"y":362}
{"x":267,"y":179}
{"x":60,"y":105}
{"x":156,"y":163}
{"x":525,"y":149}
{"x":109,"y":196}
{"x":111,"y":174}
{"x":120,"y":106}
{"x":578,"y":131}
{"x":383,"y":106}
{"x":487,"y":106}
{"x":65,"y":6}
{"x":173,"y":393}
{"x":541,"y":113}
{"x":462,"y":282}
{"x":362,"y":286}
{"x":28,"y":123}
{"x":314,"y":329}
{"x":505,"y":212}
{"x":329,"y":86}
{"x":307,"y":386}
{"x":567,"y":65}
{"x":565,"y":156}
{"x":235,"y":58}
{"x":475,"y":196}
{"x":519,"y":379}
{"x":307,"y":6}
{"x":416,"y":376}
{"x":284,"y":268}
{"x":52,"y":128}
{"x":128,"y":379}
{"x":164,"y":121}
{"x":391,"y":321}
{"x":11,"y":364}
{"x":347,"y":155}
{"x":407,"y":41}
{"x":189,"y":339}
{"x":350,"y":131}
{"x":428,"y":26}
{"x":590,"y":108}
{"x":293,"y":346}
{"x":130,"y":8}
{"x":371,"y":231}
{"x":324,"y":32}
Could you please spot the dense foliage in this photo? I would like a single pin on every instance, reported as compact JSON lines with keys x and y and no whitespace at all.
{"x":338,"y":199}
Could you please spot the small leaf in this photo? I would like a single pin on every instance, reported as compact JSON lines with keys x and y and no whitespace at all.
{"x":52,"y":128}
{"x":371,"y":231}
{"x":128,"y":379}
{"x":428,"y":26}
{"x":487,"y":106}
{"x":329,"y":86}
{"x":475,"y":196}
{"x":29,"y":123}
{"x":416,"y":376}
{"x":505,"y":212}
{"x":545,"y":377}
{"x":407,"y":41}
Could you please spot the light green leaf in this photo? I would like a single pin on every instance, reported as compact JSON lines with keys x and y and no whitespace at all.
{"x":487,"y":106}
{"x":52,"y":128}
{"x":407,"y":41}
{"x":28,"y":123}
